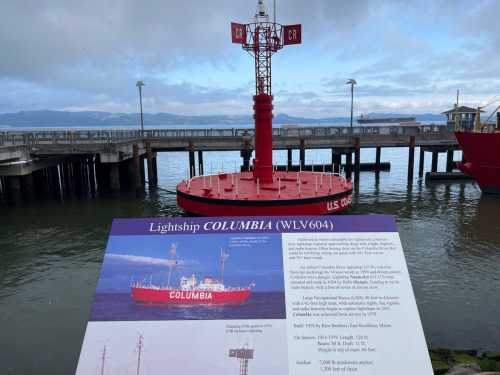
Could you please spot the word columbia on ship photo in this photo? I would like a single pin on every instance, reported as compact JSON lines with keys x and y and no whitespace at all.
{"x":244,"y":225}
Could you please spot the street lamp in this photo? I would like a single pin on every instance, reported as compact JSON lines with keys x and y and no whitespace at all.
{"x":139,"y":84}
{"x":352,"y":82}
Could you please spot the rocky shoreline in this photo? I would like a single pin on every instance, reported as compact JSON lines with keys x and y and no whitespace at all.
{"x":464,"y":362}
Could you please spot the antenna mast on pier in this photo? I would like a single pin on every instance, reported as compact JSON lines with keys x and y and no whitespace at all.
{"x":103,"y":359}
{"x":139,"y":350}
{"x":243,"y":354}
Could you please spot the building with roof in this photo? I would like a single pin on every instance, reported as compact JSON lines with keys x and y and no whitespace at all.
{"x":461,"y":117}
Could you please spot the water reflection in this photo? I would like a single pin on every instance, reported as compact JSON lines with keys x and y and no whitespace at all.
{"x":51,"y":253}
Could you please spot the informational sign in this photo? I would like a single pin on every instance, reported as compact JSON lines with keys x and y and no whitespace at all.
{"x":254,"y":295}
{"x":292,"y":34}
{"x":238,"y":33}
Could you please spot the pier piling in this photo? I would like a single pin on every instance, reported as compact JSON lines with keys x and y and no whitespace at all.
{"x":434,"y":164}
{"x":449,"y":160}
{"x":114,"y":177}
{"x":246,"y":154}
{"x":201,"y":171}
{"x":151,"y":165}
{"x":92,"y":175}
{"x":14,"y":188}
{"x":302,"y":154}
{"x":411,"y":158}
{"x":348,"y":165}
{"x":136,"y":180}
{"x":378,"y":152}
{"x":142,"y":170}
{"x":289,"y":158}
{"x":192,"y":164}
{"x":336,"y":160}
{"x":27,"y":187}
{"x":421,"y":162}
{"x":357,"y":158}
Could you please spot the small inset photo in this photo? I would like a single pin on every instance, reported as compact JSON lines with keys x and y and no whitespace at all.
{"x":179,"y":277}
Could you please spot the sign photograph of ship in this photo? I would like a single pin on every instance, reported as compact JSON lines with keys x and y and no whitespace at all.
{"x":208,"y":291}
{"x":190,"y":277}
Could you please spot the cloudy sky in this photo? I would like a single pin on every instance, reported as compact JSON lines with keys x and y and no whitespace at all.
{"x":407,"y":56}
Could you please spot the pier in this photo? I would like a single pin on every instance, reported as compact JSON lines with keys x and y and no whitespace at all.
{"x":66,"y":163}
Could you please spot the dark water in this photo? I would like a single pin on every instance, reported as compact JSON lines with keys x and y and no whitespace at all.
{"x":119,"y":306}
{"x":50,"y":255}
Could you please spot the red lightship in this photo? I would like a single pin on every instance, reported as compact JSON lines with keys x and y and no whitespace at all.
{"x":264,"y":191}
{"x":481,"y":148}
{"x":209,"y":291}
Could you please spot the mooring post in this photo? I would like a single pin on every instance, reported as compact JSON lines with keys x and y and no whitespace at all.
{"x":357,"y":158}
{"x":411,"y":158}
{"x":449,"y":160}
{"x":421,"y":162}
{"x":348,"y":162}
{"x":378,"y":152}
{"x":201,"y":171}
{"x":289,"y":159}
{"x":434,"y":165}
{"x":302,"y":154}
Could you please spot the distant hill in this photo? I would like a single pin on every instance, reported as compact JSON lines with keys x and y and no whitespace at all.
{"x":420,"y":117}
{"x":48,"y":118}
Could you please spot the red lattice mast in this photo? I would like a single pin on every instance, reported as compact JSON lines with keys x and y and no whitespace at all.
{"x":261,"y":39}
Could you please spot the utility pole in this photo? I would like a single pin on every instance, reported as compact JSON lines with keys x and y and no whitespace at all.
{"x":139,"y":84}
{"x":352,"y":82}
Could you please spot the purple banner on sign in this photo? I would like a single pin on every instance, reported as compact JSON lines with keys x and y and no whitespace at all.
{"x":254,"y":224}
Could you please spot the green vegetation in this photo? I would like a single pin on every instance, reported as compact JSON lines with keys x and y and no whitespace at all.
{"x":443,"y":359}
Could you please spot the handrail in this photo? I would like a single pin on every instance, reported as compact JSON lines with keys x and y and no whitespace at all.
{"x":42,"y":137}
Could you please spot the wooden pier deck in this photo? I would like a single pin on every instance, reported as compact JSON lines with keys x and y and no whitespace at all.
{"x":110,"y":160}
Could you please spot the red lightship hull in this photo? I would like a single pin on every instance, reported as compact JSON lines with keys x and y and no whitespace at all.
{"x":190,"y":297}
{"x":237,"y":194}
{"x":482,"y":155}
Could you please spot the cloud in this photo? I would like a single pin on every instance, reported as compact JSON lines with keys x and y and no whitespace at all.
{"x":65,"y":54}
{"x":148,"y":260}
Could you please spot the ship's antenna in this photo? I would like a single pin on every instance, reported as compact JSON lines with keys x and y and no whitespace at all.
{"x":103,"y":359}
{"x":139,"y":349}
{"x":274,"y":12}
{"x":172,"y":263}
{"x":223,"y":258}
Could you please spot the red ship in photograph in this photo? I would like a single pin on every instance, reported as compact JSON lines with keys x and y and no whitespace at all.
{"x":208,"y":291}
{"x":263,"y":190}
{"x":481,"y":148}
